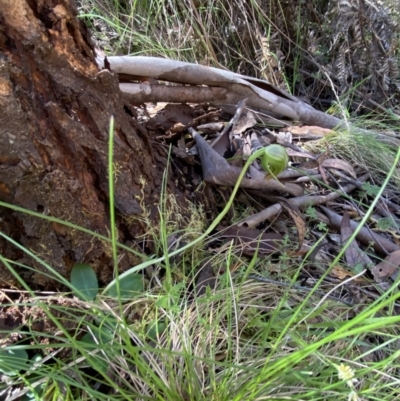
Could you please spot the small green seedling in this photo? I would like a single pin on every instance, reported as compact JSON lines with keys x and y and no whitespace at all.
{"x":84,"y":281}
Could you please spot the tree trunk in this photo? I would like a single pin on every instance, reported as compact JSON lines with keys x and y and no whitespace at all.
{"x":55,"y":108}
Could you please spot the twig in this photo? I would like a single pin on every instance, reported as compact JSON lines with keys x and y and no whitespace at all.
{"x":301,"y":202}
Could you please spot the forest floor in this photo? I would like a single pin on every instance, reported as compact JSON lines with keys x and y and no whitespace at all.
{"x":293,"y":294}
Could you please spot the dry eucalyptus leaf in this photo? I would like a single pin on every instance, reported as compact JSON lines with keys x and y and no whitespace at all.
{"x":388,"y":267}
{"x":380,"y":243}
{"x":205,"y":278}
{"x":340,"y":165}
{"x":298,"y":219}
{"x":353,"y":253}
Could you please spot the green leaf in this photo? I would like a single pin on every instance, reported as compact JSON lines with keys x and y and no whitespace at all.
{"x":98,"y":336}
{"x":156,"y":329}
{"x":371,"y":190}
{"x":322,"y":226}
{"x":12,"y":360}
{"x":385,"y":224}
{"x":128,"y":286}
{"x":311,"y":212}
{"x":96,"y":339}
{"x":358,"y":268}
{"x":36,"y":358}
{"x":84,"y":280}
{"x":35,"y":392}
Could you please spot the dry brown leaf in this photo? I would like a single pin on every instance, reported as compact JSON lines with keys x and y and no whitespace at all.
{"x":299,"y":252}
{"x":324,"y":176}
{"x":340,"y":165}
{"x":308,"y":130}
{"x":173,"y":115}
{"x":389,"y":266}
{"x":298,"y":219}
{"x":316,"y":162}
{"x":341,"y":273}
{"x":247,"y":120}
{"x":354,"y":255}
{"x":366,"y":236}
{"x":235,"y":266}
{"x":296,"y":153}
{"x":205,"y":278}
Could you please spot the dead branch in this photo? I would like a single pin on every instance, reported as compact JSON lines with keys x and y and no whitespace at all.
{"x":261,"y":94}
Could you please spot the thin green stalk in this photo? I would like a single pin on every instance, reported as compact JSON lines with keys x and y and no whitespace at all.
{"x":111,"y":194}
{"x":163,"y":225}
{"x":261,"y":153}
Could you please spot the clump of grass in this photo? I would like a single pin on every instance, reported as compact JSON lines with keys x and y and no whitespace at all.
{"x":364,"y":149}
{"x":303,"y":48}
{"x":246,"y":340}
{"x":224,"y":34}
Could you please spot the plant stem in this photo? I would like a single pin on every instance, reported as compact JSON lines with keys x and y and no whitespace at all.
{"x":214,"y":224}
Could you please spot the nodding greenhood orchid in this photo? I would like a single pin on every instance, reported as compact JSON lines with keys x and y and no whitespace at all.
{"x":274,"y":159}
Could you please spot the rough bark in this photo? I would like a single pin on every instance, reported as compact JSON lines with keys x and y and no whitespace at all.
{"x":55,"y":108}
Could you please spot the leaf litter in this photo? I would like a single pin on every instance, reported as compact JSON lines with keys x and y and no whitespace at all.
{"x":321,"y":181}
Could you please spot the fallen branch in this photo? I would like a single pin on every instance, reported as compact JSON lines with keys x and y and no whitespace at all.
{"x":261,"y":95}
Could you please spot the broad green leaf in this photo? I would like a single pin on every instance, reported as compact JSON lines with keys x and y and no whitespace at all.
{"x":84,"y":280}
{"x":96,"y":339}
{"x":156,"y":329}
{"x":98,"y":336}
{"x":36,"y":358}
{"x":128,"y":286}
{"x":12,"y":360}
